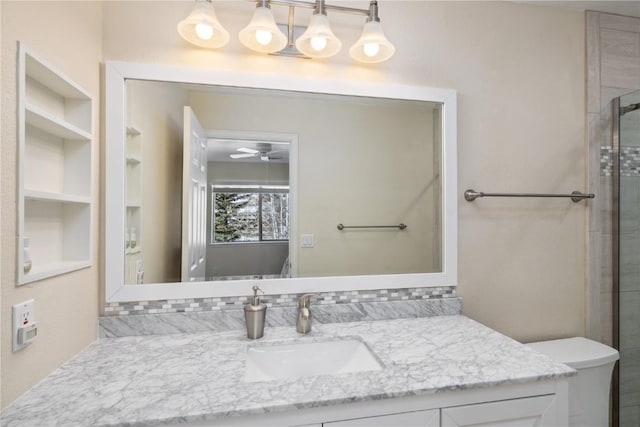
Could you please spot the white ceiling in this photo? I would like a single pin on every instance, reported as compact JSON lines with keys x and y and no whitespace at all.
{"x":628,"y":8}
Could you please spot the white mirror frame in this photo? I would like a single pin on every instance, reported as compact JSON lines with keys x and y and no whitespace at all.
{"x":116,"y":291}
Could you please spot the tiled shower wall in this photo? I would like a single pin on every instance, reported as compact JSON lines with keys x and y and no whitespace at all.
{"x":613,"y":69}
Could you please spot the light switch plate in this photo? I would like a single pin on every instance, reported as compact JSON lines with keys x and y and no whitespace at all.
{"x":308,"y":241}
{"x":24,"y":315}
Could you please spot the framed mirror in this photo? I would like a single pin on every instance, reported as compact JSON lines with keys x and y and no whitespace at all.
{"x":216,"y":180}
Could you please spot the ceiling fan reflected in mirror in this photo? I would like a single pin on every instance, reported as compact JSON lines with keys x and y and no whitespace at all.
{"x":264,"y":152}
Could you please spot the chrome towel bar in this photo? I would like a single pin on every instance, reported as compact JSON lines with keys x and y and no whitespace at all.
{"x":576,"y":196}
{"x":399,"y":226}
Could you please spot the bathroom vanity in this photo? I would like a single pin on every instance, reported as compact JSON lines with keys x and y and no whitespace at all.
{"x":443,"y":370}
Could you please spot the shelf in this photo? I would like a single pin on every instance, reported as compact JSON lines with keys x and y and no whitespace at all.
{"x":51,"y":78}
{"x":133,"y":209}
{"x":39,"y":118}
{"x":135,"y":250}
{"x":60,"y":237}
{"x":55,"y":170}
{"x":131,"y":131}
{"x":53,"y":269}
{"x":55,"y":197}
{"x":55,"y":165}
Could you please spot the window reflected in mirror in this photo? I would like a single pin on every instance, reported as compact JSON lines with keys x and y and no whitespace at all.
{"x":241,"y":216}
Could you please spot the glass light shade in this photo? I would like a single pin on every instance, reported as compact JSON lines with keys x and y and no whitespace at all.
{"x":318,"y":41}
{"x":202,"y":27}
{"x":262,"y":34}
{"x":372,"y":46}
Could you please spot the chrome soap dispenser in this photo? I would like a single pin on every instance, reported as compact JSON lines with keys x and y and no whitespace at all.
{"x":254,"y":315}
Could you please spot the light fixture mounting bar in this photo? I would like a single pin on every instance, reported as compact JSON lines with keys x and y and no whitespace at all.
{"x":290,"y":25}
{"x":312,"y":5}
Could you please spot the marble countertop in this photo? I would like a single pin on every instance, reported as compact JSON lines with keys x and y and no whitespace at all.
{"x":163,"y":379}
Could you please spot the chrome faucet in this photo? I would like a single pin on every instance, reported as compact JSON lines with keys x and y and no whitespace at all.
{"x":303,"y":325}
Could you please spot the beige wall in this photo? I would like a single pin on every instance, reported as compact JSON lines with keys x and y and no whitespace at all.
{"x":157,"y":112}
{"x":68,"y":36}
{"x":519,"y":73}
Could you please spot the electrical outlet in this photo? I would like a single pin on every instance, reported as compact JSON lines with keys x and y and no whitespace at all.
{"x":24,"y":324}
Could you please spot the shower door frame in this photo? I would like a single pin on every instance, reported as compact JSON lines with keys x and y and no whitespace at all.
{"x":615,"y":254}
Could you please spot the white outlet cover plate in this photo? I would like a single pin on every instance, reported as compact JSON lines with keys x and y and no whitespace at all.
{"x":23,"y":314}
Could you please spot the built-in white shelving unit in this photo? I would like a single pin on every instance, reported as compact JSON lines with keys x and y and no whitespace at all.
{"x":133,"y":247}
{"x":54,"y":191}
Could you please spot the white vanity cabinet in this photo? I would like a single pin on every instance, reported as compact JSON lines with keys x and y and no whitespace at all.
{"x":532,"y":411}
{"x":536,"y":404}
{"x":407,"y":419}
{"x":55,"y":134}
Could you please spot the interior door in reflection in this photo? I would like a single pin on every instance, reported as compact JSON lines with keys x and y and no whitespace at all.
{"x":194,"y":199}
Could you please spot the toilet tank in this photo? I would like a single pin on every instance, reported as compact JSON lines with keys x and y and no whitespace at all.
{"x":589,"y":390}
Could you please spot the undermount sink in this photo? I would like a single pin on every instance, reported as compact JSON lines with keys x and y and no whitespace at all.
{"x":275,"y":362}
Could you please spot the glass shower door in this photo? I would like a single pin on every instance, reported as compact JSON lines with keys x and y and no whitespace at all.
{"x":628,"y":313}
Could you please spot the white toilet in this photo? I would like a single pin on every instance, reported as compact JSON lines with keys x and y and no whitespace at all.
{"x":589,"y":391}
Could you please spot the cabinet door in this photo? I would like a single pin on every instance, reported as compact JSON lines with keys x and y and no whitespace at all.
{"x":407,"y":419}
{"x":532,"y":411}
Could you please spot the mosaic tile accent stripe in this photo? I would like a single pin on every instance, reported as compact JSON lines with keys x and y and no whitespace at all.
{"x":606,"y":161}
{"x":282,"y":300}
{"x":629,"y":161}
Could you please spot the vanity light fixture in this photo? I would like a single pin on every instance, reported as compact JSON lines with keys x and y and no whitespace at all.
{"x":262,"y":34}
{"x":372,"y":46}
{"x":202,"y":27}
{"x":318,"y":41}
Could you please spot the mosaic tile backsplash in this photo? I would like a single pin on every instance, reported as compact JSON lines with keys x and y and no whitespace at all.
{"x":283,"y":300}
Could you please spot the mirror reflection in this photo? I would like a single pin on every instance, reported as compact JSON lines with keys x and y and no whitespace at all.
{"x":235,"y":183}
